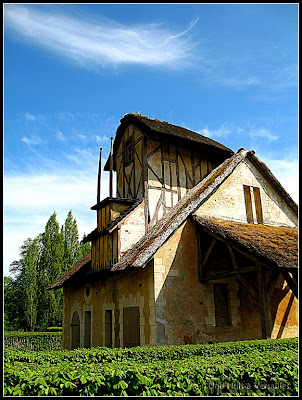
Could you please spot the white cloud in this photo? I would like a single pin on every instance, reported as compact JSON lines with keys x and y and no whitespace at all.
{"x":230,"y":128}
{"x":61,"y":137}
{"x":30,"y":117}
{"x":100,"y":43}
{"x":83,"y":137}
{"x":34,"y":139}
{"x":262,"y":132}
{"x":101,"y":139}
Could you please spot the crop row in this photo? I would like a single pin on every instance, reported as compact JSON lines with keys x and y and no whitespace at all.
{"x":149,"y":354}
{"x":259,"y":371}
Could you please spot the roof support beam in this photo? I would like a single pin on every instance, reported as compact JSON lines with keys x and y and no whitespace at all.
{"x":265,"y":323}
{"x":228,"y":274}
{"x":291,"y":282}
{"x":271,"y":284}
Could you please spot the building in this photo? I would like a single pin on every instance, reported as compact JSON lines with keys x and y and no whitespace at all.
{"x":199,"y":245}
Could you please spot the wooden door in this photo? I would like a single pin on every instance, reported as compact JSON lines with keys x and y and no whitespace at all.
{"x":131,"y":326}
{"x":222,"y":310}
{"x":108,"y":328}
{"x":75,"y":331}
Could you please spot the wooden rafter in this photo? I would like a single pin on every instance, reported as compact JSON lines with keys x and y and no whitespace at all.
{"x":291,"y":282}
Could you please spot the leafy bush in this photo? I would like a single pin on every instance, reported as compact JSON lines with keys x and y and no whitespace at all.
{"x":267,"y":367}
{"x":33,"y":340}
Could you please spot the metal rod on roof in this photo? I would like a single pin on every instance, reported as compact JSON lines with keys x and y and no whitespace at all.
{"x":111,"y":170}
{"x":99,"y":177}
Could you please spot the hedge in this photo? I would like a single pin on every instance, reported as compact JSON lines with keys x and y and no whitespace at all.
{"x":267,"y":367}
{"x":33,"y":340}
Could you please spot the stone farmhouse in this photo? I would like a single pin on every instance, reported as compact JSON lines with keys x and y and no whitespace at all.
{"x":199,"y":245}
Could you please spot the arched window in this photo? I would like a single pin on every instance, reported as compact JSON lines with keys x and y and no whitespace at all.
{"x":75,"y":331}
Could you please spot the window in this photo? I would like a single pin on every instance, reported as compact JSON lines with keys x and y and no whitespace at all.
{"x":253,"y":204}
{"x":129,"y":152}
{"x":221,"y":301}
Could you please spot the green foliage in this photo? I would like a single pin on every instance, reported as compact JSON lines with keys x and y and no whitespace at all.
{"x":28,"y":305}
{"x":54,"y":329}
{"x":251,"y":368}
{"x":36,"y":341}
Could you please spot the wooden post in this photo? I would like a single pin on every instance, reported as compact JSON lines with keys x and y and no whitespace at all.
{"x":99,"y":177}
{"x":111,"y":170}
{"x":265,"y":324}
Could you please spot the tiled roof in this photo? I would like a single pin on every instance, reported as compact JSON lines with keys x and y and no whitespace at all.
{"x":84,"y":261}
{"x":273,"y":244}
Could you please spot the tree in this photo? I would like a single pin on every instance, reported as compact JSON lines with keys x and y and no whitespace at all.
{"x":27,"y":302}
{"x":84,"y":247}
{"x":31,"y":252}
{"x":13,"y":304}
{"x":71,"y":241}
{"x":50,"y":268}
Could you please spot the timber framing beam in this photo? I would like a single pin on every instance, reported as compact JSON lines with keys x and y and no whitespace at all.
{"x":264,"y":314}
{"x":291,"y":282}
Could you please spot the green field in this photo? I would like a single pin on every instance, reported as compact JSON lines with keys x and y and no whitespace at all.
{"x":260,"y":367}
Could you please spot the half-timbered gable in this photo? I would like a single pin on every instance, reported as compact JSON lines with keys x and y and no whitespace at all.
{"x":160,"y":162}
{"x":199,"y":245}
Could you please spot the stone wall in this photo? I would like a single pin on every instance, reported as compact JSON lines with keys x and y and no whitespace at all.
{"x":119,"y":290}
{"x":185,"y":311}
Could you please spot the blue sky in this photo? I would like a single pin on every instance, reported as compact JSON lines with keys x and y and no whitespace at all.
{"x":72,"y":71}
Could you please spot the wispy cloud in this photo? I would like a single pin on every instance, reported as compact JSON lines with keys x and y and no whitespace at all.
{"x":61,"y":137}
{"x":230,"y":128}
{"x":103,"y":42}
{"x":30,"y":117}
{"x":33,"y":140}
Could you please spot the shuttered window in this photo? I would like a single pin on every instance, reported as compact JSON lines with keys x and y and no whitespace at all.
{"x":251,"y":201}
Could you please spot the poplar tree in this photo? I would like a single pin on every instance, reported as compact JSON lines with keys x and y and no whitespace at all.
{"x":50,"y":268}
{"x":71,"y":241}
{"x":31,"y":252}
{"x":28,"y":303}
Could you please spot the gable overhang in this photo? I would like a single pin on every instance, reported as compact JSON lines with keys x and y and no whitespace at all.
{"x":263,"y":168}
{"x":273,"y":246}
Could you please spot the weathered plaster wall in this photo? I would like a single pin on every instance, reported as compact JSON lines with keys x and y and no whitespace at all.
{"x":121,"y":289}
{"x":132,"y":228}
{"x":228,"y":201}
{"x":185,"y":311}
{"x":171,"y":171}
